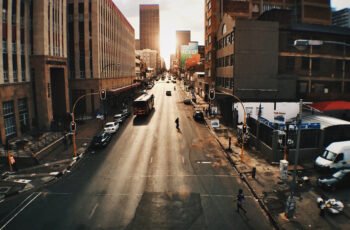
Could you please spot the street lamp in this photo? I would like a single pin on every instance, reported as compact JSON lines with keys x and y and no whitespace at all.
{"x":291,"y":204}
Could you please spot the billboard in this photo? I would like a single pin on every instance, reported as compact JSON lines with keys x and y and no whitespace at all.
{"x":187,"y":51}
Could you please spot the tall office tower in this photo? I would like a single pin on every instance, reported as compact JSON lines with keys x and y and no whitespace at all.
{"x":149,"y":27}
{"x":101,"y":44}
{"x":183,"y":37}
{"x":341,"y":18}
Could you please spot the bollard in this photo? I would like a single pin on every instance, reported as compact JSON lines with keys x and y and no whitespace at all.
{"x":253,"y":172}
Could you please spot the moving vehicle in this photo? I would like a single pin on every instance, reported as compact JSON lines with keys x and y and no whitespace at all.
{"x":101,"y":140}
{"x":144,"y":104}
{"x":336,"y":156}
{"x":198,"y":116}
{"x":339,"y":179}
{"x":168,"y":93}
{"x":111,"y":127}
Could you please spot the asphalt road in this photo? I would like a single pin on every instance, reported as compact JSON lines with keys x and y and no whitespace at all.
{"x":149,"y":177}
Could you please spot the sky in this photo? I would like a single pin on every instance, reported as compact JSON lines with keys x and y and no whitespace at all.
{"x":179,"y":15}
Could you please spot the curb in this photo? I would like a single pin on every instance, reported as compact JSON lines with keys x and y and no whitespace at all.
{"x":54,"y":174}
{"x":233,"y":163}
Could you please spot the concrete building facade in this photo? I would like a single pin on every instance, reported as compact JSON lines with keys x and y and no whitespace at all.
{"x":101,"y":51}
{"x":150,"y":57}
{"x":341,"y":17}
{"x":33,"y":66}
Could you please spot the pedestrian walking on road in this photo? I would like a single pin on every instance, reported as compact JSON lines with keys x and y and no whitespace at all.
{"x":240,"y":199}
{"x":177,"y":123}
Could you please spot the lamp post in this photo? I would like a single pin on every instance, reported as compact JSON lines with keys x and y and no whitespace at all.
{"x":291,"y":204}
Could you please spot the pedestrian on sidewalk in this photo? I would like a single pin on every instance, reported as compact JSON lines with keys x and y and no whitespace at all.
{"x":13,"y":163}
{"x":240,"y":199}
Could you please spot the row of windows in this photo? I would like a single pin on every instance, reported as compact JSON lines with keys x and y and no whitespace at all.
{"x":226,"y":41}
{"x":224,"y":82}
{"x":225,"y":61}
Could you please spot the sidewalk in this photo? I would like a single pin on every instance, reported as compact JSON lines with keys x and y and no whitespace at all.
{"x":50,"y":165}
{"x":268,"y":188}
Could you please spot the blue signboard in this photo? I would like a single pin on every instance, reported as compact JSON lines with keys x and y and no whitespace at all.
{"x":294,"y":126}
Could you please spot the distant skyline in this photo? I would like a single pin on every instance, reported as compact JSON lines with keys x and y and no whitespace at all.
{"x":179,"y":15}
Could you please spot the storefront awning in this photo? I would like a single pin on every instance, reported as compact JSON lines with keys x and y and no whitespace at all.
{"x":123,"y":89}
{"x":331,"y":105}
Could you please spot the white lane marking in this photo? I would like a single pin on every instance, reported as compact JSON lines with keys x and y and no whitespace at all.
{"x":93,"y":211}
{"x":151,"y":160}
{"x":183,"y":160}
{"x":16,"y":214}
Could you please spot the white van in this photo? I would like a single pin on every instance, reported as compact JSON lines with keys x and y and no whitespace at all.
{"x":336,"y":156}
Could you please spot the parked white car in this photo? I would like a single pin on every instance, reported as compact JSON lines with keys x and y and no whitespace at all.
{"x":111,"y":127}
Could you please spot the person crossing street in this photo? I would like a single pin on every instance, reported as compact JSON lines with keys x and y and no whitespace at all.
{"x":177,"y":122}
{"x":240,"y":199}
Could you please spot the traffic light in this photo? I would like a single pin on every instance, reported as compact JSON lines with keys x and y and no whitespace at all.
{"x":103,"y":94}
{"x":73,"y":126}
{"x":211,"y":94}
{"x":244,"y":129}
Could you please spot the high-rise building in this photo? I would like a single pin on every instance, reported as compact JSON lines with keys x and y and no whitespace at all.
{"x":149,"y":27}
{"x":183,"y":37}
{"x":341,"y":18}
{"x":33,"y":70}
{"x":101,"y":44}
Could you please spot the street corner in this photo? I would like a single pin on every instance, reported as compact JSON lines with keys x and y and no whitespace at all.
{"x":11,"y":188}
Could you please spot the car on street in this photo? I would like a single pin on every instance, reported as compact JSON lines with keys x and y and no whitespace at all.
{"x":111,"y":127}
{"x":167,"y":81}
{"x":198,"y":116}
{"x":168,"y":93}
{"x":187,"y":101}
{"x":101,"y":140}
{"x":194,"y":99}
{"x":121,"y":117}
{"x":340,"y":179}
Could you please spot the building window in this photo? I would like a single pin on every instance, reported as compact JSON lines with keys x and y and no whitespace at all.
{"x":209,"y":21}
{"x":82,"y":74}
{"x":14,"y":48}
{"x":6,"y":76}
{"x":9,"y":118}
{"x":209,"y":39}
{"x":224,"y":29}
{"x":4,"y":46}
{"x":15,"y":76}
{"x":23,"y":114}
{"x":305,"y":63}
{"x":23,"y":76}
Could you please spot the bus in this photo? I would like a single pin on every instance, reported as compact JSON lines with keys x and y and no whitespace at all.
{"x":144,"y":104}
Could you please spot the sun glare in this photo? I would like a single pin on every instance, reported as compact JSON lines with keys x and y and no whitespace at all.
{"x":167,"y":45}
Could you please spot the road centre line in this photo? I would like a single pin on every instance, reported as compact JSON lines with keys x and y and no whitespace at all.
{"x":93,"y":211}
{"x":151,"y":160}
{"x":16,"y":214}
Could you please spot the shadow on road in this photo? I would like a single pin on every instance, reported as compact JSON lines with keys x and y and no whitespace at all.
{"x":143,"y":120}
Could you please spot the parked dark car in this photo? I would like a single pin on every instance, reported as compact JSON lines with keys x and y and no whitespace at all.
{"x":194,"y":99}
{"x":168,"y":93}
{"x":198,"y":116}
{"x":101,"y":140}
{"x":339,"y":179}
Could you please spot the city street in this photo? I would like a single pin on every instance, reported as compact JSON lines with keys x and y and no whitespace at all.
{"x":149,"y":177}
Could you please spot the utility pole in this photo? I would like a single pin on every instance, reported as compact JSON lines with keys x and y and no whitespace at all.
{"x":291,"y":204}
